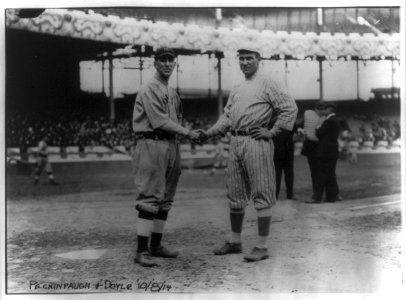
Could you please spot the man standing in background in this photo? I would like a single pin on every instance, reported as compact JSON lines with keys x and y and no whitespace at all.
{"x":327,"y":132}
{"x":311,"y":119}
{"x":156,"y":157}
{"x":284,"y":154}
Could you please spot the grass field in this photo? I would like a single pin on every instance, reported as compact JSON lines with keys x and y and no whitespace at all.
{"x":374,"y":175}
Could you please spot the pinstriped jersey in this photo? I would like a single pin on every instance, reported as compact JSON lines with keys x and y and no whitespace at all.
{"x":252,"y":104}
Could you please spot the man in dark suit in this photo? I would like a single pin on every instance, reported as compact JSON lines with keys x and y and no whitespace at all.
{"x":311,"y":120}
{"x":326,"y":154}
{"x":284,"y":149}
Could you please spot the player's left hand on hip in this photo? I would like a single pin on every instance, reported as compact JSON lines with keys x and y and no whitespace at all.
{"x":260,"y":133}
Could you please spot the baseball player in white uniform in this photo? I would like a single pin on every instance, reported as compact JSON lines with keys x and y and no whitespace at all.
{"x":43,"y":162}
{"x":250,"y":168}
{"x":156,"y":157}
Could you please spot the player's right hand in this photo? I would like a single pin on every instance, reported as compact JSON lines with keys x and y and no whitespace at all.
{"x":203,"y":137}
{"x":194,"y":135}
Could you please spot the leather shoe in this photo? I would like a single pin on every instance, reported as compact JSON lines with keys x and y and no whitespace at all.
{"x":144,"y":259}
{"x":257,"y":254}
{"x":229,"y":248}
{"x":313,"y":201}
{"x":161,"y":251}
{"x":335,"y":199}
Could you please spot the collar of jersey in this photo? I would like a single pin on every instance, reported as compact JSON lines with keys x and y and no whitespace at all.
{"x":255,"y":75}
{"x":158,"y":78}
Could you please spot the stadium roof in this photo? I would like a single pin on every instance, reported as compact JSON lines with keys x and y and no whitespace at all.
{"x":138,"y":37}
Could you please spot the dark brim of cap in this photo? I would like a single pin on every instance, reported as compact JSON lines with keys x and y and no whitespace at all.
{"x":165,"y":54}
{"x":324,"y":104}
{"x":330,"y":104}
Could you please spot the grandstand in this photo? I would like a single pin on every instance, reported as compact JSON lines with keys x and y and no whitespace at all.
{"x":45,"y":90}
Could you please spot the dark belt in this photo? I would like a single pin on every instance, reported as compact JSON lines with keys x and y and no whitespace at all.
{"x":154,"y":135}
{"x":240,"y":132}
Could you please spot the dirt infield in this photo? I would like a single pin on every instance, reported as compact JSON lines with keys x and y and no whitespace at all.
{"x":313,"y":249}
{"x":350,"y":246}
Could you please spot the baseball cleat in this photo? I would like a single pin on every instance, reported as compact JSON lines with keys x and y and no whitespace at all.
{"x":229,"y":248}
{"x":313,"y":201}
{"x":257,"y":254}
{"x":161,"y":251}
{"x":144,"y":259}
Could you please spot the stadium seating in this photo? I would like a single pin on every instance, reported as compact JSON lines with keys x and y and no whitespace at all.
{"x":396,"y":143}
{"x":120,"y":149}
{"x":367,"y":145}
{"x":381,"y":145}
{"x":72,"y":149}
{"x":353,"y":144}
{"x":185,"y":147}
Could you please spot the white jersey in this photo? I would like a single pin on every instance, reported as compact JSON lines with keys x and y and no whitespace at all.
{"x":42,"y":149}
{"x":311,"y":119}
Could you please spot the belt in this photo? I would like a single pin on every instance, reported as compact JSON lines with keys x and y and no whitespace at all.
{"x":154,"y":135}
{"x":240,"y":132}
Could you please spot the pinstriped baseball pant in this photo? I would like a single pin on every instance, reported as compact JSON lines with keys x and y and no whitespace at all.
{"x":250,"y":173}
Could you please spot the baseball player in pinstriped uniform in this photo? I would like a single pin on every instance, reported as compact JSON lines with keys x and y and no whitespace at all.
{"x":250,"y":169}
{"x":156,"y":157}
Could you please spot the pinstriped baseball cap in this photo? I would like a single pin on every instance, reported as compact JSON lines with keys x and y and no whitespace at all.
{"x":249,"y":49}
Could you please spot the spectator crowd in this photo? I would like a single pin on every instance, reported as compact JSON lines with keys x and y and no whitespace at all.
{"x":375,"y":129}
{"x":77,"y":129}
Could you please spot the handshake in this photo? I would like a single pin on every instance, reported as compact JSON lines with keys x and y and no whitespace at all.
{"x":198,"y":136}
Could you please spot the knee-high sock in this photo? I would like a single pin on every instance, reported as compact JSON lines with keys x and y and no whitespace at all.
{"x":144,"y":228}
{"x":158,"y":228}
{"x":236,"y":219}
{"x":37,"y":171}
{"x":264,"y":224}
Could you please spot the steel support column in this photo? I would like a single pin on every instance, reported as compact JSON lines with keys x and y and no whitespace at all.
{"x":111,"y":90}
{"x":220,"y":104}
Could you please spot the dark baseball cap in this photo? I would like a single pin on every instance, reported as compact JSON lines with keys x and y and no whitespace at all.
{"x":319,"y":105}
{"x":328,"y":104}
{"x":164,"y":51}
{"x":325,"y":104}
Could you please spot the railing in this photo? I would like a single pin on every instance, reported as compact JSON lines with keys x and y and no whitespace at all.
{"x":192,"y":156}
